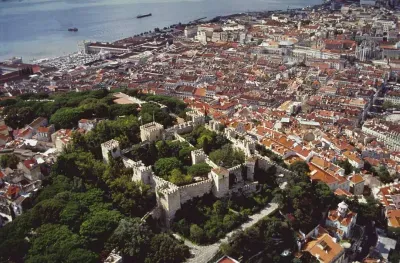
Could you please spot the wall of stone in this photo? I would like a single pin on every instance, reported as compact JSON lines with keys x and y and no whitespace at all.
{"x":211,"y":163}
{"x":265,"y":163}
{"x":237,"y":172}
{"x":250,"y":188}
{"x":182,"y":128}
{"x":188,"y":192}
{"x":170,"y":202}
{"x":220,"y":187}
{"x":198,"y":156}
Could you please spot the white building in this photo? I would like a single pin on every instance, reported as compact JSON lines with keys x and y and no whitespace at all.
{"x":341,"y":220}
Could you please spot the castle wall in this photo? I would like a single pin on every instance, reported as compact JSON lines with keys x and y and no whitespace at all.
{"x":250,"y":166}
{"x":112,"y":147}
{"x":250,"y":188}
{"x":220,"y":187}
{"x":265,"y":163}
{"x":191,"y":191}
{"x":182,"y":128}
{"x":211,"y":163}
{"x":237,"y":172}
{"x":246,"y":189}
{"x":168,"y":197}
{"x":170,"y":202}
{"x":198,"y":156}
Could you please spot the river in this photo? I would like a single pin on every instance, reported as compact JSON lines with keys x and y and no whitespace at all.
{"x":36,"y":29}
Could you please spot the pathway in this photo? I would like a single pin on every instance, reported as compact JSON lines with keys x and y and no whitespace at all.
{"x":203,"y":254}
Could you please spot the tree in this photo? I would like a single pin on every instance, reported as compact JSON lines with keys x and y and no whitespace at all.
{"x":383,"y":174}
{"x":300,"y":167}
{"x":73,"y":215}
{"x":178,"y":178}
{"x":18,"y":117}
{"x":9,"y":160}
{"x":227,"y":156}
{"x":324,"y":194}
{"x":196,"y":233}
{"x":66,"y":117}
{"x":153,"y":154}
{"x":206,"y":144}
{"x":200,"y":169}
{"x":163,"y":149}
{"x":99,"y":226}
{"x":346,"y":165}
{"x":131,"y":198}
{"x":56,"y":243}
{"x":117,"y":110}
{"x":185,"y":155}
{"x":47,"y":211}
{"x":132,"y":238}
{"x":164,"y":166}
{"x":166,"y":249}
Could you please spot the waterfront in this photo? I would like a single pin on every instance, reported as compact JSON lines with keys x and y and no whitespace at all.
{"x":38,"y":28}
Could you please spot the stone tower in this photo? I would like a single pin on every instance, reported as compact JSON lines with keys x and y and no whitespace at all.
{"x":220,"y":177}
{"x":110,"y":147}
{"x":197,"y":117}
{"x":250,"y":166}
{"x":152,"y":131}
{"x":198,"y":156}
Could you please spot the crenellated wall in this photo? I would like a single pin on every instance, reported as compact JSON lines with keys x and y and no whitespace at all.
{"x":198,"y":156}
{"x":265,"y":163}
{"x":182,"y":128}
{"x":188,"y":192}
{"x":237,"y":172}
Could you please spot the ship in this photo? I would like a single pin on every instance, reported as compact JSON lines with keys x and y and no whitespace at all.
{"x":141,"y":16}
{"x":73,"y":29}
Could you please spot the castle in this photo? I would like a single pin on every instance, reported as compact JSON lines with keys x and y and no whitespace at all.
{"x":171,"y":197}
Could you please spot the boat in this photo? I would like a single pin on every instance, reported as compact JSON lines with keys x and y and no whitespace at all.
{"x":141,"y":16}
{"x":73,"y":29}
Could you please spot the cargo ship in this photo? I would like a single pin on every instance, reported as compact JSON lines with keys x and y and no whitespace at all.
{"x":141,"y":16}
{"x":73,"y":29}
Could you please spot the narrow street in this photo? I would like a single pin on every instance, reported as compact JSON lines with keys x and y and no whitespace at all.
{"x":203,"y":254}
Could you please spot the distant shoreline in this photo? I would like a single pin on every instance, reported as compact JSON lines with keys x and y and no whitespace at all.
{"x":66,"y":48}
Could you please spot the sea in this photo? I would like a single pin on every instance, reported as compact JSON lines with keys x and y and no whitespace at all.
{"x":36,"y":29}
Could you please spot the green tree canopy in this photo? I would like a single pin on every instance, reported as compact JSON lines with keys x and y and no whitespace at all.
{"x":56,"y":243}
{"x":164,"y":166}
{"x":200,"y":169}
{"x":178,"y":178}
{"x":132,"y":238}
{"x":9,"y":160}
{"x":300,"y":167}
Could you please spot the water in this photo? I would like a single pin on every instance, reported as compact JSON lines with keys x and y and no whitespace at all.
{"x":38,"y":28}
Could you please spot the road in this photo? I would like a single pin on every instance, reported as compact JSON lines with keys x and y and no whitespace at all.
{"x":203,"y":254}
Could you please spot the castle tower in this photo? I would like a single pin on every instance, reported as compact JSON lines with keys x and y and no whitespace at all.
{"x":198,"y":156}
{"x":220,"y":177}
{"x":250,"y":166}
{"x":152,"y":131}
{"x":197,"y":117}
{"x":110,"y":147}
{"x":168,"y":197}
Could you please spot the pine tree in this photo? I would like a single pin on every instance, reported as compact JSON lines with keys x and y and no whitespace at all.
{"x":206,"y":146}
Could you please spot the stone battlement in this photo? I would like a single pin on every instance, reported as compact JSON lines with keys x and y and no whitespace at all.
{"x":235,"y":168}
{"x":164,"y":186}
{"x":206,"y":181}
{"x":151,"y":126}
{"x":110,"y":145}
